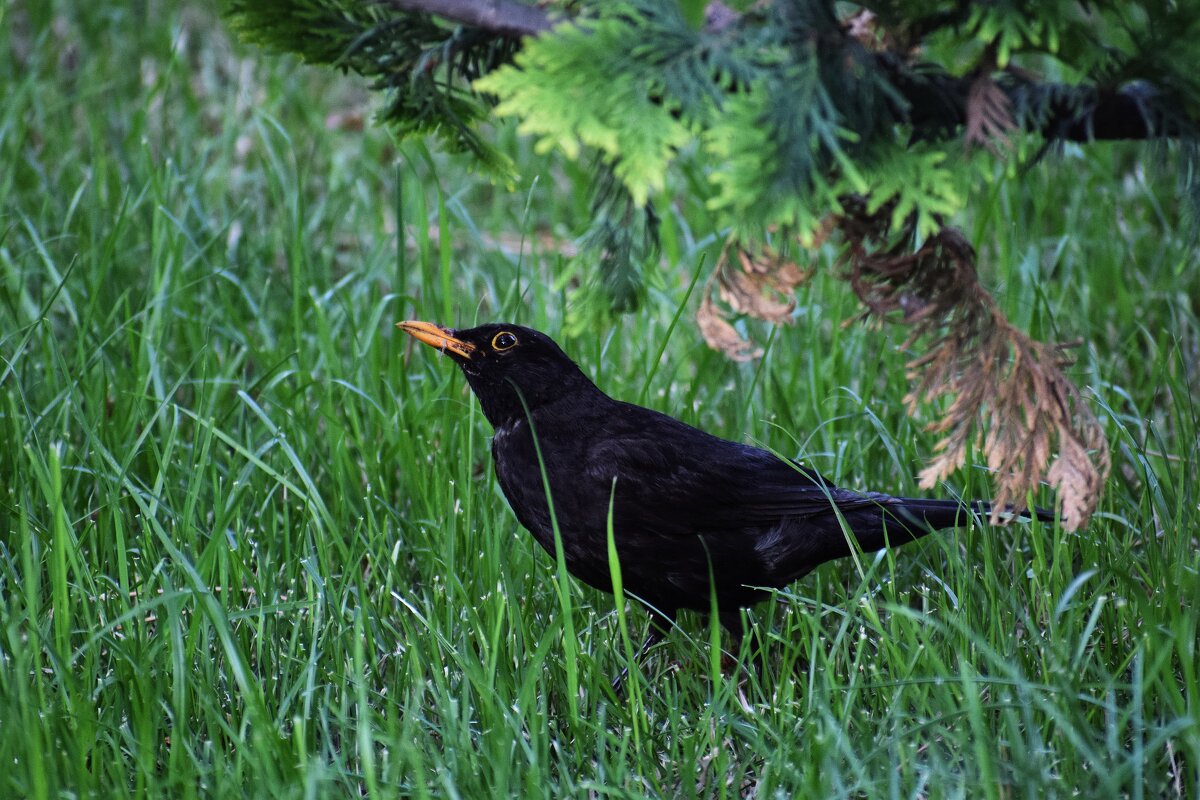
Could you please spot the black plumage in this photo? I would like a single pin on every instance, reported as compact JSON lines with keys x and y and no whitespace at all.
{"x":692,"y":513}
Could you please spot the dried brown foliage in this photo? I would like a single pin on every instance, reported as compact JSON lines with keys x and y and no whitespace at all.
{"x":1035,"y":424}
{"x":989,"y":115}
{"x":989,"y":109}
{"x":865,"y":28}
{"x":1003,"y":391}
{"x":722,"y":336}
{"x":757,"y":282}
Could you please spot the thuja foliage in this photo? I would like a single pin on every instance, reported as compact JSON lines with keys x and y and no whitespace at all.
{"x":424,"y":67}
{"x":793,"y":104}
{"x":867,"y":122}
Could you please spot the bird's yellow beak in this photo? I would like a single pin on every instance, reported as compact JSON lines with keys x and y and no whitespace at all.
{"x":436,"y":336}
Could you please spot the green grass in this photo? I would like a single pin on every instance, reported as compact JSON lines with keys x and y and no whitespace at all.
{"x":250,"y":539}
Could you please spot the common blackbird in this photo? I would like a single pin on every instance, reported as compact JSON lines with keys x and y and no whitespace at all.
{"x":692,"y":513}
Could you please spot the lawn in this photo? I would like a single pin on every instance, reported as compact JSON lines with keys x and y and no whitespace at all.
{"x":250,"y":539}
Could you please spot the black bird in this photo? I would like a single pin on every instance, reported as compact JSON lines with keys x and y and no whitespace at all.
{"x":692,"y":513}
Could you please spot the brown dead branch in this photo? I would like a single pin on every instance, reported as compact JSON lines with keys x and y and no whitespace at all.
{"x":505,"y":17}
{"x":998,"y":381}
{"x":722,"y":336}
{"x":1002,"y":391}
{"x":756,"y":282}
{"x":989,"y":116}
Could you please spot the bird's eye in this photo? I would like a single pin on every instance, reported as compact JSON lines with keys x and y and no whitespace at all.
{"x":503,"y":341}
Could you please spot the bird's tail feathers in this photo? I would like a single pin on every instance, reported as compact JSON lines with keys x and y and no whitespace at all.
{"x":937,"y":514}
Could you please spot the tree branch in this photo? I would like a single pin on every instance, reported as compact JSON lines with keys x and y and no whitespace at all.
{"x":1057,"y":111}
{"x":504,"y":17}
{"x":937,"y":103}
{"x":1137,"y":111}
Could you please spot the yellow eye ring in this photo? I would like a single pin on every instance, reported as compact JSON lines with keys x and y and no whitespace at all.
{"x":503,"y":341}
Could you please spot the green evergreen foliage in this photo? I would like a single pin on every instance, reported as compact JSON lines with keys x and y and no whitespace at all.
{"x":788,"y":106}
{"x":586,"y":85}
{"x":425,"y":67}
{"x":623,"y":236}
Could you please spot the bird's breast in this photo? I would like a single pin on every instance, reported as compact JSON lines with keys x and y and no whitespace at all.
{"x":554,"y":467}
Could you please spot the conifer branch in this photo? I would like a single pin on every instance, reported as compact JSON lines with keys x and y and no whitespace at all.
{"x":1003,"y":391}
{"x":751,"y":279}
{"x":1056,"y":111}
{"x":1006,"y":391}
{"x":932,"y":100}
{"x":502,"y":17}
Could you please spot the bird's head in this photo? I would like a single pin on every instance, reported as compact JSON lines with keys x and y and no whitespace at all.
{"x":504,"y":364}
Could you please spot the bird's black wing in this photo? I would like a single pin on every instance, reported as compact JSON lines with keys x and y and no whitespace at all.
{"x":676,"y":479}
